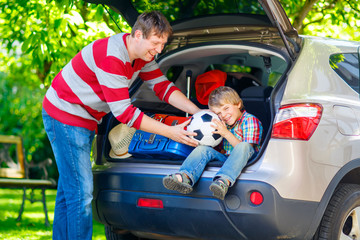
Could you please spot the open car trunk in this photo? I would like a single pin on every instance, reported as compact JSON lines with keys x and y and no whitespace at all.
{"x":252,"y":41}
{"x":254,"y":70}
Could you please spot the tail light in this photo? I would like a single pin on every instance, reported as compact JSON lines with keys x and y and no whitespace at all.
{"x":256,"y":198}
{"x":150,"y":203}
{"x":297,"y":121}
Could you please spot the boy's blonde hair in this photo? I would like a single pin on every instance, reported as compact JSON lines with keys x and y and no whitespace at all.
{"x":224,"y":95}
{"x":152,"y":21}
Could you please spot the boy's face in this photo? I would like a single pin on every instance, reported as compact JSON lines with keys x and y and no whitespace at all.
{"x":149,"y":47}
{"x":228,"y":113}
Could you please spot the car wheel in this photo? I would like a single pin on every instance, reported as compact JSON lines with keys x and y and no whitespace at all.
{"x":118,"y":235}
{"x":341,"y":219}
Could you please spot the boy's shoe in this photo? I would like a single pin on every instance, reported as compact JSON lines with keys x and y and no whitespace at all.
{"x":171,"y":182}
{"x":219,"y":188}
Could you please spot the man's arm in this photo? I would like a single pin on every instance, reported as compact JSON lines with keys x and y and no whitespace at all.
{"x":180,"y":101}
{"x":164,"y":89}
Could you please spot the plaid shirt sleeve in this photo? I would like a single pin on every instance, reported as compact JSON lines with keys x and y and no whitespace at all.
{"x":251,"y":130}
{"x":248,"y":129}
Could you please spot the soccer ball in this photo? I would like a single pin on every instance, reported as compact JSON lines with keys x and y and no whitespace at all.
{"x":201,"y":124}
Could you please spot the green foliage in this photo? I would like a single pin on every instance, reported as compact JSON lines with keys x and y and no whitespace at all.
{"x":32,"y":226}
{"x":49,"y":33}
{"x":21,"y":111}
{"x":37,"y":39}
{"x":325,"y":18}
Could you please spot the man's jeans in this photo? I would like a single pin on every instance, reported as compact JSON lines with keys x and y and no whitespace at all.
{"x":196,"y":162}
{"x":71,"y":147}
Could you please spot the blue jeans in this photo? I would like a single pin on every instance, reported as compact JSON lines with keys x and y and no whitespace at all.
{"x":197,"y":160}
{"x":71,"y":147}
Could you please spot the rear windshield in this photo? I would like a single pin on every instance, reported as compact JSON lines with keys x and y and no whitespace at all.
{"x":178,"y":10}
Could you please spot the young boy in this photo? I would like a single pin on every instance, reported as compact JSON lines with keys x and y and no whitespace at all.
{"x":242,"y":134}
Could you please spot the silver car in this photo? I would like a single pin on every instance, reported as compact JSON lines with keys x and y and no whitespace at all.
{"x":304,"y":183}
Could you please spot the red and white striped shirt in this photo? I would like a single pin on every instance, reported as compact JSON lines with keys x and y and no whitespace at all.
{"x":96,"y":81}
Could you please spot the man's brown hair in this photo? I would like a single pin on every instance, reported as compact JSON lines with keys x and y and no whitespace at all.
{"x":152,"y":21}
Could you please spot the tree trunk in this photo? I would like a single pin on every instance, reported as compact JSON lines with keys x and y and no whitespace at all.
{"x":298,"y":21}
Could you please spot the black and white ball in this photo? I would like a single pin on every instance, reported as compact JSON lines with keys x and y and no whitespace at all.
{"x":201,"y":124}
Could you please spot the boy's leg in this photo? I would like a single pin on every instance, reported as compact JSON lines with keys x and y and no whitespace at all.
{"x":195,"y":163}
{"x":235,"y":163}
{"x":178,"y":182}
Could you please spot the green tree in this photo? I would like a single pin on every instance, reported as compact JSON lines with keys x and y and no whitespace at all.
{"x":37,"y":39}
{"x":326,"y":18}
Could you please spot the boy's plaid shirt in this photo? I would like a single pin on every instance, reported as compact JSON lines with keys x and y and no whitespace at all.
{"x":248,"y":129}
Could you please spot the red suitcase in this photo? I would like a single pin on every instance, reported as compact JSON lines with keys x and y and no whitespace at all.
{"x":169,"y":119}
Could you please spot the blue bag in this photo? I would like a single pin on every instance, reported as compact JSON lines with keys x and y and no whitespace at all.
{"x":150,"y":145}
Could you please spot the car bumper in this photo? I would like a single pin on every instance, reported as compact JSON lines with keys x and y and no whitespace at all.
{"x":198,"y":215}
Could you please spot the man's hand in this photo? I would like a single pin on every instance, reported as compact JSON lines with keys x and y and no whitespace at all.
{"x":179,"y":134}
{"x":176,"y":133}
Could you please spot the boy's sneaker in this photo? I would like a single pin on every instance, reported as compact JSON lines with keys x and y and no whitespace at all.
{"x":219,"y":188}
{"x":172,"y":182}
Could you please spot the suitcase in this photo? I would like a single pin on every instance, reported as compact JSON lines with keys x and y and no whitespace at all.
{"x":150,"y":145}
{"x":170,"y":120}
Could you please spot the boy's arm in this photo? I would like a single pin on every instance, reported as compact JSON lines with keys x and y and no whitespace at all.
{"x":232,"y":139}
{"x":251,"y":131}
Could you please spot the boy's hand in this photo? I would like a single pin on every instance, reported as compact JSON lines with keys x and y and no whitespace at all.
{"x":220,"y":128}
{"x":225,"y":133}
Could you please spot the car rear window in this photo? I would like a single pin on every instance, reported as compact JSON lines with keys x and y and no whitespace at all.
{"x":178,"y":10}
{"x":346,"y":65}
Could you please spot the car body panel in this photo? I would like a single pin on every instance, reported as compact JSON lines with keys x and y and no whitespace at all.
{"x":317,"y":50}
{"x":323,"y":158}
{"x":236,"y":215}
{"x":346,"y":120}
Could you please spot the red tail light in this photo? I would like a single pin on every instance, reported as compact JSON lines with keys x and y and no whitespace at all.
{"x":256,"y":198}
{"x":150,"y":203}
{"x":297,"y":121}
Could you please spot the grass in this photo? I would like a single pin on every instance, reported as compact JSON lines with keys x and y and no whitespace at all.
{"x":31,"y":226}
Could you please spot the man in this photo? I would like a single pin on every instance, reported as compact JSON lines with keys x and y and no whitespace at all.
{"x":93,"y":83}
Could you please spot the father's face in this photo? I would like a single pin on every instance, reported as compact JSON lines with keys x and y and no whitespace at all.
{"x":151,"y":46}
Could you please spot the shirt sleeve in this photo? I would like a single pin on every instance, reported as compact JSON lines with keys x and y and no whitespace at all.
{"x":156,"y":81}
{"x":113,"y":77}
{"x":251,"y":130}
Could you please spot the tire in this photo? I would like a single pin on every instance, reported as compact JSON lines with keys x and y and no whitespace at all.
{"x":110,"y":235}
{"x":341,"y":219}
